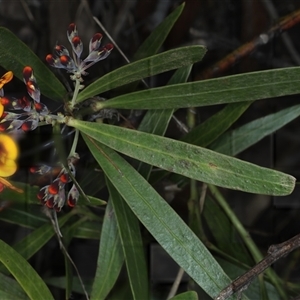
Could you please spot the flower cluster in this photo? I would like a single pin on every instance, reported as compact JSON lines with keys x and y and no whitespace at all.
{"x":32,"y":111}
{"x":54,"y":194}
{"x":62,"y":59}
{"x":8,"y":147}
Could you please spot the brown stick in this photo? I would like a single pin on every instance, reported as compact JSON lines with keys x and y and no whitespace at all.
{"x":286,"y":23}
{"x":275,"y":252}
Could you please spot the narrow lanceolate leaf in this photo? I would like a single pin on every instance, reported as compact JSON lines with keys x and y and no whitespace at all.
{"x":166,"y":61}
{"x":88,"y":230}
{"x":92,"y":201}
{"x":191,"y":295}
{"x":229,"y":89}
{"x":208,"y":131}
{"x":156,"y":121}
{"x":38,"y":238}
{"x":160,"y":220}
{"x":23,"y":215}
{"x":237,"y":140}
{"x":27,"y":277}
{"x":131,"y":240}
{"x":189,"y":160}
{"x":155,"y":40}
{"x":15,"y":55}
{"x":110,"y":258}
{"x":33,"y":242}
{"x":10,"y":289}
{"x":225,"y":235}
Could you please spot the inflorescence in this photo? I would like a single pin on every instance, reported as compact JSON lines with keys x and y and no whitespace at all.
{"x":26,"y":114}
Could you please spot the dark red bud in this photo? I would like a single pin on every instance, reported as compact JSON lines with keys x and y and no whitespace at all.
{"x":27,"y":73}
{"x":54,"y":188}
{"x":72,"y":27}
{"x":40,"y":195}
{"x":50,"y":202}
{"x":64,"y":178}
{"x":109,"y":47}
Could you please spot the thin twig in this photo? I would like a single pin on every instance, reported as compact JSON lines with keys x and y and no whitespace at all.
{"x":181,"y":125}
{"x":121,"y":17}
{"x":111,"y":39}
{"x":275,"y":252}
{"x":54,"y":221}
{"x":270,"y":8}
{"x":27,"y":11}
{"x":176,"y":284}
{"x":116,"y":45}
{"x":286,"y":23}
{"x":202,"y":197}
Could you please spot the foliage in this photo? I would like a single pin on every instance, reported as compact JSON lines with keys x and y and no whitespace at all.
{"x":127,"y":158}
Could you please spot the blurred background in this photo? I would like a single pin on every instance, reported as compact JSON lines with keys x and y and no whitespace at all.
{"x":220,"y":25}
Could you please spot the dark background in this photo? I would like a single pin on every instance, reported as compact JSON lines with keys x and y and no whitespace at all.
{"x":222,"y":26}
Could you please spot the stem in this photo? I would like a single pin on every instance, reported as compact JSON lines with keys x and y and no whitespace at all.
{"x":176,"y":284}
{"x":195,"y":222}
{"x":275,"y":252}
{"x":75,"y":94}
{"x":75,"y":141}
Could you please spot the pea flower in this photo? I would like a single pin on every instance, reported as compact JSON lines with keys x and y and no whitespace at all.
{"x":8,"y":147}
{"x":33,"y":109}
{"x":8,"y":166}
{"x":53,"y":195}
{"x":62,"y":59}
{"x":7,"y":77}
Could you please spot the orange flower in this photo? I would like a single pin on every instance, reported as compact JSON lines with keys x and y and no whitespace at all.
{"x":7,"y":77}
{"x":8,"y":154}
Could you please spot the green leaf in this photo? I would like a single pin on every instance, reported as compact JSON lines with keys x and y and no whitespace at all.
{"x":10,"y":289}
{"x":206,"y":132}
{"x":33,"y":242}
{"x":61,"y":282}
{"x":88,"y":230}
{"x":237,"y":140}
{"x":22,"y":215}
{"x":15,"y":55}
{"x":156,"y":121}
{"x":93,"y":201}
{"x":131,"y":240}
{"x":155,"y":40}
{"x":189,"y":160}
{"x":229,"y":89}
{"x":110,"y":258}
{"x":191,"y":295}
{"x":166,"y":61}
{"x":26,"y":276}
{"x":160,"y":220}
{"x":224,"y":233}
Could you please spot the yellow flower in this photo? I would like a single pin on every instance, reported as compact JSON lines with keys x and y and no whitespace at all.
{"x":8,"y":155}
{"x":7,"y":77}
{"x":8,"y":147}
